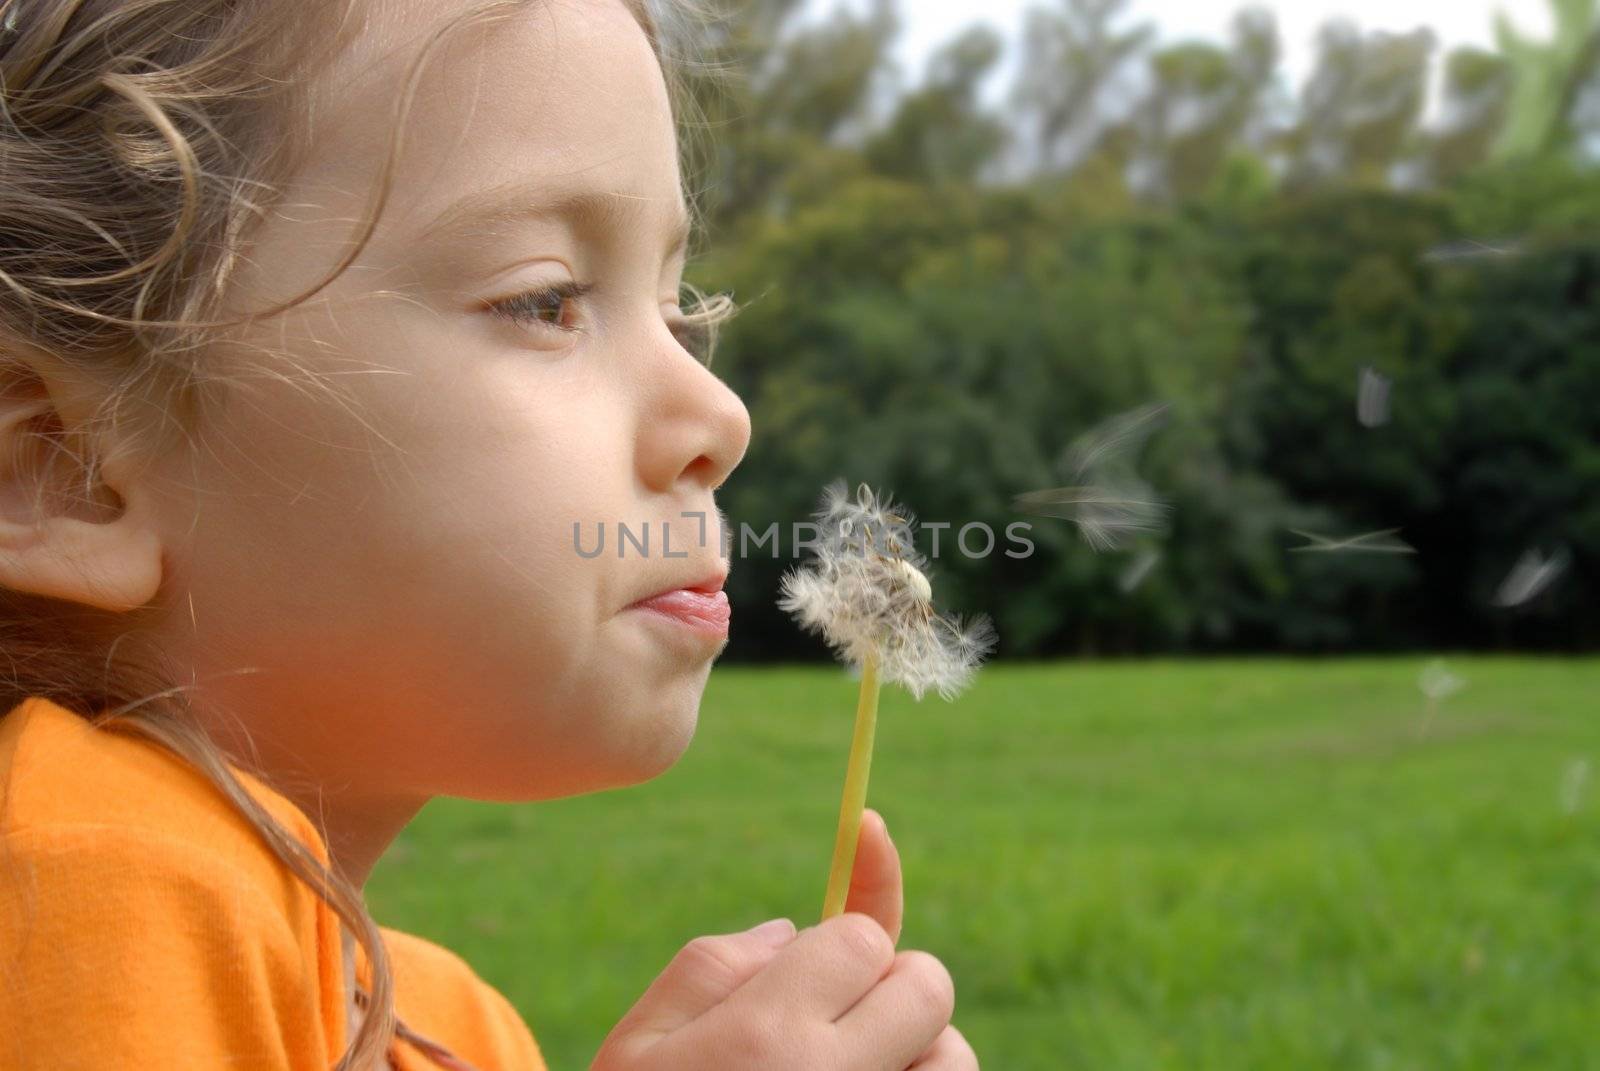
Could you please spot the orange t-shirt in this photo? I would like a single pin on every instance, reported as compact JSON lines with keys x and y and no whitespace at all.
{"x":145,"y":924}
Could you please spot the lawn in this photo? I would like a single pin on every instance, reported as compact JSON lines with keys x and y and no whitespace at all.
{"x":1221,"y":865}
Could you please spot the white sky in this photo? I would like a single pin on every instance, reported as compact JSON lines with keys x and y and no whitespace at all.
{"x":929,"y":23}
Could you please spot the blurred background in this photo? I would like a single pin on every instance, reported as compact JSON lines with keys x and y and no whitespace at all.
{"x":1285,"y":759}
{"x":948,"y":277}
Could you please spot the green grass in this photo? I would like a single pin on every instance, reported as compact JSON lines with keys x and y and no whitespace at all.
{"x":1219,"y":865}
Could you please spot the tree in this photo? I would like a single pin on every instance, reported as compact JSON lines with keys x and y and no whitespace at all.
{"x":1073,"y":54}
{"x":768,"y":99}
{"x":1477,"y":97}
{"x":939,"y":133}
{"x":1549,"y":77}
{"x":1359,"y":106}
{"x":1202,"y":100}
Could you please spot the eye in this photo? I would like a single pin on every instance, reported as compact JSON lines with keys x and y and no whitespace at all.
{"x":542,"y":307}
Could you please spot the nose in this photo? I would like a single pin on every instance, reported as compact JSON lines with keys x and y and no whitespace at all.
{"x":694,"y":427}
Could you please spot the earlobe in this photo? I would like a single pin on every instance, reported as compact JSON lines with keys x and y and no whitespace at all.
{"x":53,"y":542}
{"x":115,"y":565}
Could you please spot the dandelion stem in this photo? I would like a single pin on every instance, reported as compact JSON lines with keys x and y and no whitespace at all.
{"x":855,"y":790}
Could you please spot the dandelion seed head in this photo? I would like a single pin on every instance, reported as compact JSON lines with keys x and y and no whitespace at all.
{"x":867,"y":593}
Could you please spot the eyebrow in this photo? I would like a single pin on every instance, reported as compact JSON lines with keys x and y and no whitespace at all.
{"x":482,"y":214}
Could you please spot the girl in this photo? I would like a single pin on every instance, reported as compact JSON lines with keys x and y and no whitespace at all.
{"x":322,"y":327}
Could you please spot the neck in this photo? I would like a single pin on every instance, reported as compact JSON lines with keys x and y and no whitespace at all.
{"x":358,"y":829}
{"x":356,"y":822}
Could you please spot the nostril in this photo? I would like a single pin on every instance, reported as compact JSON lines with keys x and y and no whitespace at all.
{"x":703,"y":469}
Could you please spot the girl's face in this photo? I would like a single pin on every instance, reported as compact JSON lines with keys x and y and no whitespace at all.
{"x":395,"y":566}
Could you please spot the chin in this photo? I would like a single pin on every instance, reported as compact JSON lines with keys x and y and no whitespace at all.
{"x":672,"y":731}
{"x":615,"y":742}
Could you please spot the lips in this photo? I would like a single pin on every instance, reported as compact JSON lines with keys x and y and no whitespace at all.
{"x":700,"y":604}
{"x":709,"y":584}
{"x":702,"y":609}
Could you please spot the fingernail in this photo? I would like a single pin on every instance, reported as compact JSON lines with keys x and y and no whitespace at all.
{"x":774,"y":932}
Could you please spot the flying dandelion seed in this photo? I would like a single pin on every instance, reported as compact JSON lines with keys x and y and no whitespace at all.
{"x":1106,"y":517}
{"x":1138,"y":569}
{"x":1436,"y":682}
{"x":866,"y":592}
{"x":1372,"y":398}
{"x":1574,"y":780}
{"x":1116,"y":440}
{"x":1472,"y":249}
{"x":1532,"y":574}
{"x":1381,"y":542}
{"x":1107,"y":501}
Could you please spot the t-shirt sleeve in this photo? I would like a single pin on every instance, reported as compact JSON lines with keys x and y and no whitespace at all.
{"x":452,"y":1005}
{"x":511,"y":1035}
{"x":126,"y":948}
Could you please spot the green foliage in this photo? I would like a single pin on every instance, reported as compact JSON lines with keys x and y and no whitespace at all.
{"x":1550,"y":75}
{"x":938,"y":133}
{"x":949,"y":343}
{"x":910,"y":322}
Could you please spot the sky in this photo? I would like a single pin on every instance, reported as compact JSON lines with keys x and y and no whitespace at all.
{"x":928,"y":23}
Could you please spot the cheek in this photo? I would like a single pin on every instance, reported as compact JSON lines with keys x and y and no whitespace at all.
{"x":413,"y":554}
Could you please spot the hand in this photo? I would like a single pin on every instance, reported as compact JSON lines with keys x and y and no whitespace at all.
{"x":834,"y":997}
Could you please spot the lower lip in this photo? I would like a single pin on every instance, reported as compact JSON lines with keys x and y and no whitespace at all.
{"x":705,"y":612}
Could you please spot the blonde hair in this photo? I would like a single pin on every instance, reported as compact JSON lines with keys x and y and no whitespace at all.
{"x":141,"y":142}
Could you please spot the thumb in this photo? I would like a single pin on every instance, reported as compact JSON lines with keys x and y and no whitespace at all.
{"x":705,"y":973}
{"x":876,"y":886}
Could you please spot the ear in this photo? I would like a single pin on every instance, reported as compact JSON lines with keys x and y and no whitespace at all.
{"x":76,"y":522}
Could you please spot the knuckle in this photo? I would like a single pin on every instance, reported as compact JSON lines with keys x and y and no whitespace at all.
{"x":864,"y":938}
{"x":934,"y":985}
{"x":710,"y":959}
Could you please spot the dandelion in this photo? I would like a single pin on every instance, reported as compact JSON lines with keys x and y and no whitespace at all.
{"x":867,"y":594}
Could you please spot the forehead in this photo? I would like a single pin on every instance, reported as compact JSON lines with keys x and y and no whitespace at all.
{"x":566,"y":94}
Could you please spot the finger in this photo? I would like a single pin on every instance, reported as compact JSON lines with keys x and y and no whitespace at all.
{"x":876,"y":885}
{"x":949,"y":1052}
{"x":821,"y":973}
{"x":907,"y":1010}
{"x":699,"y":978}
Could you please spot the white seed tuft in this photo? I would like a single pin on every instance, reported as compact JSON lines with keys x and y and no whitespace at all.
{"x":867,"y":592}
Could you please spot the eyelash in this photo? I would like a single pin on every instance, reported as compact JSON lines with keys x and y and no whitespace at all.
{"x":524,"y":309}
